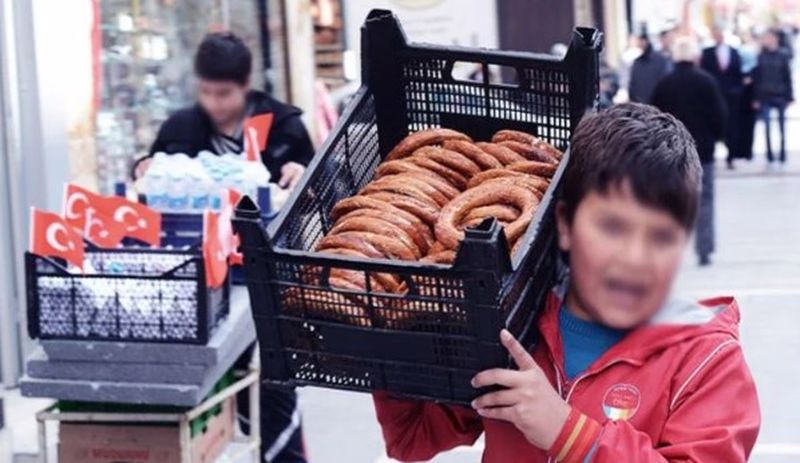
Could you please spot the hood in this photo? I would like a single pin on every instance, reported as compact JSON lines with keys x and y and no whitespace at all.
{"x":677,"y":322}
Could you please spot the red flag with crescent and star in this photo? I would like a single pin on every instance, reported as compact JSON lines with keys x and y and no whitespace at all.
{"x":78,"y":202}
{"x":103,"y":231}
{"x":52,"y":236}
{"x":256,"y":133}
{"x":214,"y":254}
{"x":139,"y":221}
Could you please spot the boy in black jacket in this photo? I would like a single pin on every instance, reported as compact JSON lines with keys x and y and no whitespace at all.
{"x":216,"y":124}
{"x":225,"y":101}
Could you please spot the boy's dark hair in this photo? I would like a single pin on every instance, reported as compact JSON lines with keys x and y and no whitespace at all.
{"x":639,"y":144}
{"x":223,"y":56}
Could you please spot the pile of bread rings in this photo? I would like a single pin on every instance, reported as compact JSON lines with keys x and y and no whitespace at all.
{"x":429,"y":189}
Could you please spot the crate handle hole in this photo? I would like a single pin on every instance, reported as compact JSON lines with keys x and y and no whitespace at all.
{"x":473,"y":73}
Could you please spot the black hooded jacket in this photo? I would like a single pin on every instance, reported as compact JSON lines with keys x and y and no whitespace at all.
{"x":189,"y":131}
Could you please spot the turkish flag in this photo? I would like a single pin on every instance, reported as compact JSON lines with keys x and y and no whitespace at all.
{"x":77,"y":204}
{"x":52,"y":236}
{"x":215,"y":257}
{"x":140,"y":221}
{"x":256,"y":133}
{"x":102,"y":230}
{"x":230,"y":241}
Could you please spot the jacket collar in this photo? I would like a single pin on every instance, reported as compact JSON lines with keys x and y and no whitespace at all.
{"x":676,"y":322}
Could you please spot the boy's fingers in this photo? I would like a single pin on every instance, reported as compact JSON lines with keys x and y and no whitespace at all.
{"x":296,"y":176}
{"x":285,"y":180}
{"x":497,"y":376}
{"x":521,"y":357}
{"x":504,"y":398}
{"x":499,"y":413}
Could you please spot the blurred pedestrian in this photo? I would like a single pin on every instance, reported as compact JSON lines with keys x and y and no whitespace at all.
{"x":609,"y":86}
{"x":773,"y":88}
{"x":724,"y":63}
{"x":748,"y":116}
{"x":647,"y":70}
{"x":667,"y":38}
{"x":694,"y":98}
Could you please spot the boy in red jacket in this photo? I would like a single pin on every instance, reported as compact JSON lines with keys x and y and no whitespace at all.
{"x":623,"y":373}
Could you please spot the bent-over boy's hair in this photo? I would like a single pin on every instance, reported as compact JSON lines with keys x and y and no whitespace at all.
{"x":223,"y":56}
{"x":641,"y":145}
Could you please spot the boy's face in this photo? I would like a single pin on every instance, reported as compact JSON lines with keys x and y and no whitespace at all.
{"x":623,"y":256}
{"x":223,"y":101}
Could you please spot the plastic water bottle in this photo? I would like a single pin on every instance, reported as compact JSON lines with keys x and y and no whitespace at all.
{"x":200,"y":185}
{"x":155,"y":182}
{"x":215,"y":191}
{"x":178,"y":183}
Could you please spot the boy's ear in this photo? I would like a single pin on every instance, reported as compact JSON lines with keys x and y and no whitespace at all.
{"x":564,"y":241}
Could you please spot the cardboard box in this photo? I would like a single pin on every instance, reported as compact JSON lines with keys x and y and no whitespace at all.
{"x":144,"y":443}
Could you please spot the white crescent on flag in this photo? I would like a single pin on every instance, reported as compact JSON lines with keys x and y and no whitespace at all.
{"x":95,"y":222}
{"x":73,"y":199}
{"x":122,"y":211}
{"x":51,"y":235}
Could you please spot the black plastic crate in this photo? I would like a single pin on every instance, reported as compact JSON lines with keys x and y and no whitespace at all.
{"x":146,"y":295}
{"x":429,"y":342}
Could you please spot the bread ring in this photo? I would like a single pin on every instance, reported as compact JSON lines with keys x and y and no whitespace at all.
{"x":443,"y":257}
{"x":514,"y":135}
{"x":530,"y":152}
{"x":418,"y":231}
{"x":536,"y":185}
{"x":362,"y":203}
{"x":454,"y":177}
{"x":377,"y":226}
{"x":447,"y":230}
{"x":424,"y":211}
{"x":492,"y":173}
{"x":386,"y":281}
{"x":350,"y":241}
{"x":456,"y":161}
{"x":403,"y":188}
{"x":328,"y":304}
{"x":436,"y":181}
{"x":503,"y":154}
{"x":423,"y":138}
{"x":501,"y":212}
{"x":437,"y":248}
{"x":398,"y":166}
{"x":404,"y":166}
{"x":386,"y":245}
{"x":542,"y":169}
{"x":420,"y":182}
{"x":475,"y":154}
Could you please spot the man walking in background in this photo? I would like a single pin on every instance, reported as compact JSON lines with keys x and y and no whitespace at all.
{"x":773,"y":89}
{"x":647,"y":70}
{"x":693,"y":97}
{"x":723,"y":62}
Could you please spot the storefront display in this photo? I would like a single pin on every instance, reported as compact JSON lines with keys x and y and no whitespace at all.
{"x":143,"y":60}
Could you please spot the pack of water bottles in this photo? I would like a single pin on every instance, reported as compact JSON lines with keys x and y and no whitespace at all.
{"x":176,"y":183}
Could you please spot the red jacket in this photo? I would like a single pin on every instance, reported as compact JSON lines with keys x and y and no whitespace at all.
{"x":676,"y":390}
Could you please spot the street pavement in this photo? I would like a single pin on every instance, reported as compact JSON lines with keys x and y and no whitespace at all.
{"x":757,"y":260}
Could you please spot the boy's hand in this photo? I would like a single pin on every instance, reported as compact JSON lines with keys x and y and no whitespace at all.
{"x":291,"y":172}
{"x":530,"y":403}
